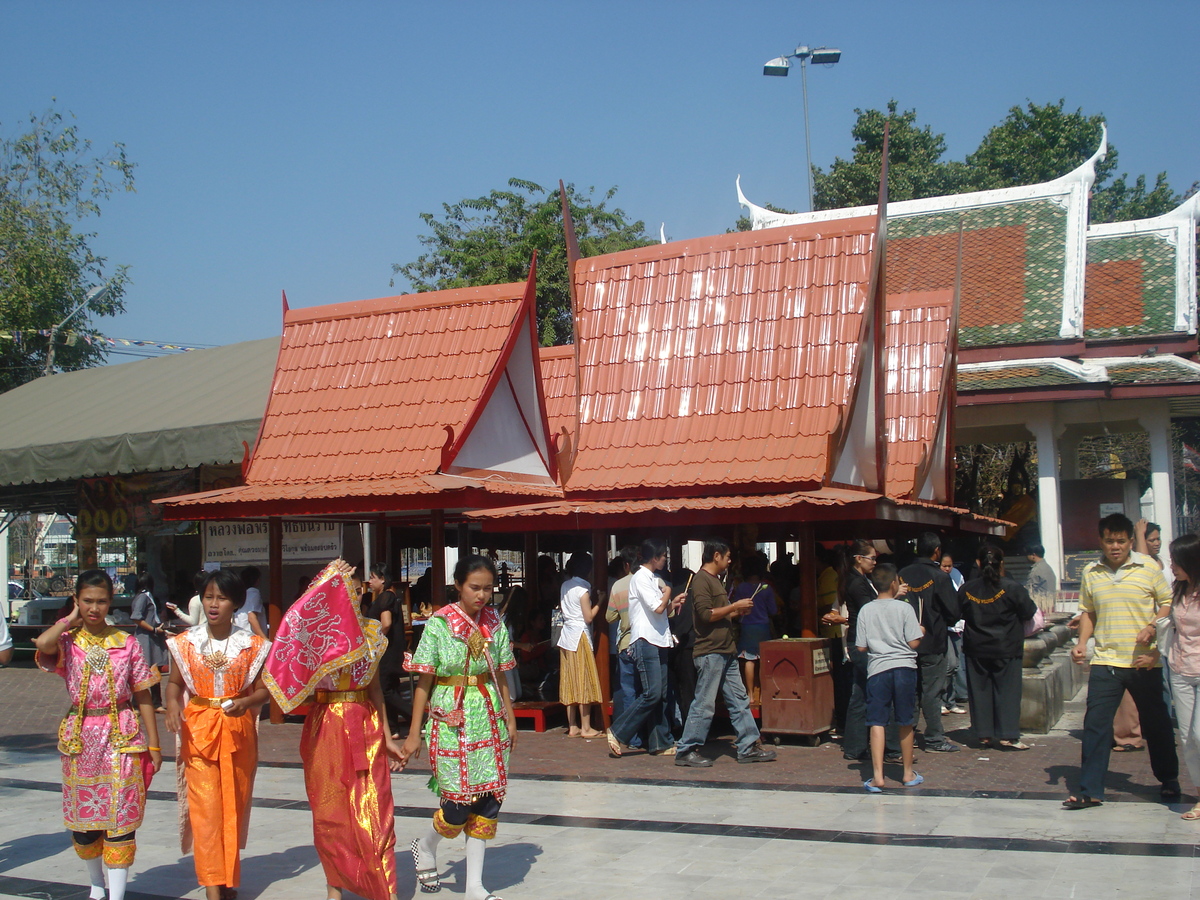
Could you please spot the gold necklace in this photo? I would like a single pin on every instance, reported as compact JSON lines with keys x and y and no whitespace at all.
{"x":215,"y":659}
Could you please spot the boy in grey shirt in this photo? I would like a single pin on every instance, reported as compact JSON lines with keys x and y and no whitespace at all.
{"x":889,"y":632}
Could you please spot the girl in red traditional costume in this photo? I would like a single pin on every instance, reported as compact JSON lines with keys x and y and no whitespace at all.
{"x":327,"y":652}
{"x":109,"y":749}
{"x":472,"y":728}
{"x":213,"y":700}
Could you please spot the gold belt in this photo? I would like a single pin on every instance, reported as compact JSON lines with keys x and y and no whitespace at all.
{"x":341,"y":697}
{"x":210,"y":702}
{"x":96,"y":710}
{"x":463,"y":680}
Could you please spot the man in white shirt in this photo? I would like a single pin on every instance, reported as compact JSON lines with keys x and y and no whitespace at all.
{"x":253,"y":615}
{"x":650,"y":639}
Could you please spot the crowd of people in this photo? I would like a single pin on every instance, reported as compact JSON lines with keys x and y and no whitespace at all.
{"x":901,"y":638}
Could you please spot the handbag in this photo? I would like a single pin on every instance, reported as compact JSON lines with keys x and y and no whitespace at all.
{"x":1165,"y":626}
{"x":557,"y":621}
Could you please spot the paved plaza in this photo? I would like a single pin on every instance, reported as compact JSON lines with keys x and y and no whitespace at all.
{"x":577,"y":824}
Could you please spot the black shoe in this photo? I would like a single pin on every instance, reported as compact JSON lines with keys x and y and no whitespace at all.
{"x":861,"y":757}
{"x":942,"y":747}
{"x":694,"y":759}
{"x":757,"y":754}
{"x":1170,"y":790}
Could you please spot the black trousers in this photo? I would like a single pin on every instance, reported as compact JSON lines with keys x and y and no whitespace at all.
{"x":994,"y":689}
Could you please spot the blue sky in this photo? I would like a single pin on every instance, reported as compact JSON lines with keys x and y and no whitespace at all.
{"x":293,"y":145}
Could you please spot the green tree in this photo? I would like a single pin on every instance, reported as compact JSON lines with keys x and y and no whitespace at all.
{"x":1034,"y":143}
{"x":50,"y":182}
{"x":915,"y":165}
{"x":1040,"y":143}
{"x":490,"y":239}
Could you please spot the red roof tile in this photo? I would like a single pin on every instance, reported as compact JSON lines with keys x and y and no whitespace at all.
{"x":1113,"y":294}
{"x":722,"y":361}
{"x":558,"y":383}
{"x":915,"y":356}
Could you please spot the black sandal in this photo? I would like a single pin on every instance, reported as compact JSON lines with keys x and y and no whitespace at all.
{"x":1083,"y":801}
{"x":427,"y":878}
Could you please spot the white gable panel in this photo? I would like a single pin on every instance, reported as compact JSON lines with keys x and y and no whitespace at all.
{"x":499,"y":442}
{"x":523,"y":378}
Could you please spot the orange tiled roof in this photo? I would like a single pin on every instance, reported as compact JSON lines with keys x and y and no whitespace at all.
{"x":365,"y":390}
{"x":720,"y":362}
{"x":915,"y":356}
{"x":558,"y":385}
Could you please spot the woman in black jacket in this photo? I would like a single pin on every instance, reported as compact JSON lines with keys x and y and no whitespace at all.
{"x":994,"y":610}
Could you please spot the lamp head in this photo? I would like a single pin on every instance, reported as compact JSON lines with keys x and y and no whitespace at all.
{"x":825,"y":56}
{"x":778,"y":66}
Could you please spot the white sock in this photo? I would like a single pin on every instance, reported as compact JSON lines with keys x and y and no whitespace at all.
{"x":475,"y":853}
{"x":427,"y":850}
{"x":95,"y":869}
{"x":116,"y":883}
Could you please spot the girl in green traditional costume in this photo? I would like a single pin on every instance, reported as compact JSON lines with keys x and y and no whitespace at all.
{"x":471,"y":728}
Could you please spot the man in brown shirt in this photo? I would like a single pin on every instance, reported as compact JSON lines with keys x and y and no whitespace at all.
{"x":715,"y":656}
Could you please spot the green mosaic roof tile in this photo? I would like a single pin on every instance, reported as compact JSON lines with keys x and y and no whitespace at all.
{"x":1150,"y":371}
{"x":1039,"y":305}
{"x":1157,"y":257}
{"x":1014,"y":377}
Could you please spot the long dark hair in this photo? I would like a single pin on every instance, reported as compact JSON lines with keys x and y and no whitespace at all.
{"x":991,"y":561}
{"x":97,"y":578}
{"x":1185,"y":553}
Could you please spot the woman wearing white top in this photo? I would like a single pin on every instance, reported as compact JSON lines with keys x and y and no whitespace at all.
{"x":195,"y":612}
{"x":1183,"y":652}
{"x":579,"y":684}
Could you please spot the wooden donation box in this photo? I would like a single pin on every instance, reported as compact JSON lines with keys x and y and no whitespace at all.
{"x":797,"y":686}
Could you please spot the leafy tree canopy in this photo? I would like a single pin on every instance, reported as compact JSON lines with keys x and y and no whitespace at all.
{"x":490,"y":239}
{"x":50,"y":182}
{"x":1033,"y":144}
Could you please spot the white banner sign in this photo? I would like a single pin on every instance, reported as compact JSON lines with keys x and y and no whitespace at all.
{"x":237,"y":543}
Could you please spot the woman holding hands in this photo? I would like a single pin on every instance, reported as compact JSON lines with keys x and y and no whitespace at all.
{"x":461,"y":657}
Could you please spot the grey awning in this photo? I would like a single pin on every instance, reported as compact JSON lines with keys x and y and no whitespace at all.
{"x":172,"y":412}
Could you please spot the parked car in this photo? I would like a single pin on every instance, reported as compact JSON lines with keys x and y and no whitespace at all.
{"x":18,"y":596}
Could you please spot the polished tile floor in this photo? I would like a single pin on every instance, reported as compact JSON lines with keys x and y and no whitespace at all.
{"x":565,"y":838}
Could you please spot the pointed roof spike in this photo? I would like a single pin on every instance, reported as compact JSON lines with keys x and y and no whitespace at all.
{"x":1086,"y":171}
{"x":286,"y":308}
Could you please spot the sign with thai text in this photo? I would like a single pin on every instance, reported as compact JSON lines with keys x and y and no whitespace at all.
{"x":120,"y":505}
{"x":243,"y":542}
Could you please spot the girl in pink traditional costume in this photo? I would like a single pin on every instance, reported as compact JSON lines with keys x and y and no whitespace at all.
{"x":472,"y":728}
{"x":327,"y":652}
{"x":109,"y":749}
{"x":213,"y":701}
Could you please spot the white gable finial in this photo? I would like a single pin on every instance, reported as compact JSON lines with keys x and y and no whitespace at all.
{"x":662,"y":232}
{"x":1086,"y":171}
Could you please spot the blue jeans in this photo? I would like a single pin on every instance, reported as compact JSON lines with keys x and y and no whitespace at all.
{"x":627,"y":688}
{"x":648,"y":708}
{"x":718,"y":672}
{"x":855,"y":739}
{"x":1106,"y":686}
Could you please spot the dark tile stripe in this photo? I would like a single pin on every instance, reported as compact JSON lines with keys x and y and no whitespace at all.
{"x":763,"y":832}
{"x":56,"y":890}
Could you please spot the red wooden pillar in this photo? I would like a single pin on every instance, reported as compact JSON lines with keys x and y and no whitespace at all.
{"x":807,"y":562}
{"x":600,"y":629}
{"x":275,"y":590}
{"x":437,"y":550}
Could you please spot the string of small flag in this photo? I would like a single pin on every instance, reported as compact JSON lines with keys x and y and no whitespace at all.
{"x":71,"y":338}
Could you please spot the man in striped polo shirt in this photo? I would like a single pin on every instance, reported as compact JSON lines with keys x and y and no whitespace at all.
{"x":1120,"y":596}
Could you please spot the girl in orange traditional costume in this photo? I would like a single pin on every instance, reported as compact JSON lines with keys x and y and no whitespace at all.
{"x":107,"y":761}
{"x":214,"y":684}
{"x":472,"y":727}
{"x":326,"y":650}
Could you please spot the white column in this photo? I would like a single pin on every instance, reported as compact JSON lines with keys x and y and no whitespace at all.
{"x":1157,"y":422}
{"x":1045,"y":431}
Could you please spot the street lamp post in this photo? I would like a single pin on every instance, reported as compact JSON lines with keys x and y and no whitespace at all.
{"x":93,"y":294}
{"x":779,"y":67}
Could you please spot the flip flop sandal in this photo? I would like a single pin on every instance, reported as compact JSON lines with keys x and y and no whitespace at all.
{"x":1013,"y":745}
{"x":870,"y":788}
{"x":427,"y":878}
{"x":614,"y":746}
{"x":1081,"y":802}
{"x":916,"y":779}
{"x":1193,"y":813}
